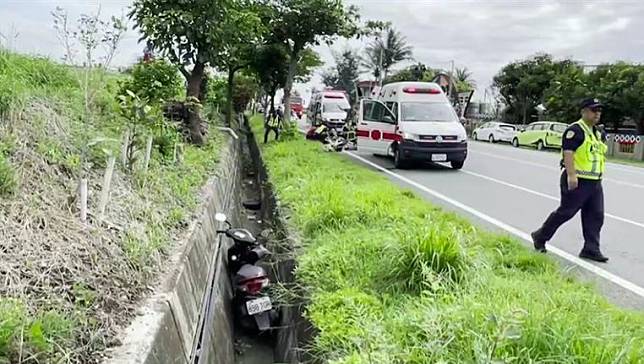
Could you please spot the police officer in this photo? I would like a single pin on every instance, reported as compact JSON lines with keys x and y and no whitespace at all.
{"x":272,"y":123}
{"x":583,"y":152}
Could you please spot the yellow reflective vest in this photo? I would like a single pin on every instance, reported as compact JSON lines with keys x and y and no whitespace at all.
{"x":590,"y":157}
{"x":272,"y":122}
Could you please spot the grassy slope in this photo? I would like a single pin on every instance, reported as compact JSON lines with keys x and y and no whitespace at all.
{"x":66,"y":287}
{"x":393,"y":279}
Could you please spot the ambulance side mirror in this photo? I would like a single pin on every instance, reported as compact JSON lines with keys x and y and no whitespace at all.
{"x":388,"y":119}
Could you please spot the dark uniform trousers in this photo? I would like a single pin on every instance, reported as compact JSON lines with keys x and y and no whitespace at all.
{"x":267,"y":130}
{"x":587,"y":197}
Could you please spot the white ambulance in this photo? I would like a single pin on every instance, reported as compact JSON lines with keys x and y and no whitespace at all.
{"x":328,"y":107}
{"x":412,"y":121}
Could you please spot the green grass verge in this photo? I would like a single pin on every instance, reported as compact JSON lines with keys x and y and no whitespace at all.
{"x":393,"y":279}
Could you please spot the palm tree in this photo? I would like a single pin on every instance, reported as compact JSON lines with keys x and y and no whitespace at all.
{"x":463,"y":78}
{"x":382,"y":54}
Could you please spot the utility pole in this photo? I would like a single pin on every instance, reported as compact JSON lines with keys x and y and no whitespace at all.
{"x":451,"y":81}
{"x":380,"y":72}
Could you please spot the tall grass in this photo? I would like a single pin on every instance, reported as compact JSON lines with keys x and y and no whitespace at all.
{"x":392,"y":279}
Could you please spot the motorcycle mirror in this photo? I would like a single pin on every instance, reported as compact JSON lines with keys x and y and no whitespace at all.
{"x":221,"y":217}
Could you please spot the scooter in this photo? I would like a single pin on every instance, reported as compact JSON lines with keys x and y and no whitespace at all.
{"x":253,"y":307}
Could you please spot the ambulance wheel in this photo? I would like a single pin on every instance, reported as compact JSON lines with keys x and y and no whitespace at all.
{"x":457,"y":164}
{"x":399,"y":161}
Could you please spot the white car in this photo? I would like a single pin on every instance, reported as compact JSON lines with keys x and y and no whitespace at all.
{"x":495,"y":132}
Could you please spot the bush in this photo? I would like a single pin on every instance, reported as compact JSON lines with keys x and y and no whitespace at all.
{"x":155,"y":81}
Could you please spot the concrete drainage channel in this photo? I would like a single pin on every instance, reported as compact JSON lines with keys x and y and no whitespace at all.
{"x":189,"y":317}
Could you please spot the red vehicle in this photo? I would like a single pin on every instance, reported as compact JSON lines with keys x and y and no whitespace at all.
{"x":297,"y":106}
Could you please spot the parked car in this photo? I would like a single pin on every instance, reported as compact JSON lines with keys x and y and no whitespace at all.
{"x":495,"y":132}
{"x":541,"y":134}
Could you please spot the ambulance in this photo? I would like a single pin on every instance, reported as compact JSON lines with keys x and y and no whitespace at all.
{"x":412,"y":122}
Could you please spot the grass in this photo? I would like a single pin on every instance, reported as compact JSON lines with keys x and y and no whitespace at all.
{"x":392,"y":279}
{"x":67,"y":287}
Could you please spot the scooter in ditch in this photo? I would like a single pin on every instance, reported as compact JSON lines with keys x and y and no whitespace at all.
{"x":252,"y":305}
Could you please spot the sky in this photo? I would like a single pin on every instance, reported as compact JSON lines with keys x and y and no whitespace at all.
{"x":480,"y":35}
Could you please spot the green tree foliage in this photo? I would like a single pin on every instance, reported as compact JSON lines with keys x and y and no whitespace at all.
{"x":190,"y":34}
{"x":270,"y":64}
{"x":155,"y":81}
{"x":241,"y":33}
{"x":187,"y":31}
{"x":345,"y":74}
{"x":464,"y":81}
{"x":522,"y":85}
{"x":566,"y":90}
{"x":329,"y":19}
{"x":561,"y":85}
{"x":417,"y":72}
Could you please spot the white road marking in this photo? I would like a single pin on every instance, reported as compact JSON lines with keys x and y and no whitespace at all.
{"x":609,"y":164}
{"x":534,"y":164}
{"x":492,"y":179}
{"x":525,"y":236}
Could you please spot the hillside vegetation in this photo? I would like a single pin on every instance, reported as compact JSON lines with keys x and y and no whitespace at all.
{"x":67,"y":286}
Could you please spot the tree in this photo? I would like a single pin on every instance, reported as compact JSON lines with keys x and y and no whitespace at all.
{"x":270,"y":64}
{"x":346,"y":73}
{"x":522,"y":84}
{"x":620,"y":87}
{"x":382,"y":54}
{"x":464,"y":81}
{"x":309,"y":61}
{"x":329,"y":19}
{"x":566,"y":90}
{"x":241,"y":33}
{"x":189,"y":33}
{"x":417,"y":72}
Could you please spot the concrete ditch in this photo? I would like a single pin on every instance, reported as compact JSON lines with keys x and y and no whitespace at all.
{"x":189,"y":319}
{"x":294,"y":331}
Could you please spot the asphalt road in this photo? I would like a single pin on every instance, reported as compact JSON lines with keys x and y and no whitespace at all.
{"x":514,"y":190}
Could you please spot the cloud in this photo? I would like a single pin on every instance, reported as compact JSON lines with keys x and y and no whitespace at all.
{"x":480,"y":35}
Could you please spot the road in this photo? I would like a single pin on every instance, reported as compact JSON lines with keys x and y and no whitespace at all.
{"x":514,"y":190}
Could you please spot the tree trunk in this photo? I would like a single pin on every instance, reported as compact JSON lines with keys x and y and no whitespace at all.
{"x":229,"y":96}
{"x":195,"y":79}
{"x":292,"y":69}
{"x":193,"y":90}
{"x":203,"y":89}
{"x":272,"y":110}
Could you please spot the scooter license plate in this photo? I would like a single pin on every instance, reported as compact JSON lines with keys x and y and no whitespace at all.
{"x":439,"y":157}
{"x":259,"y":305}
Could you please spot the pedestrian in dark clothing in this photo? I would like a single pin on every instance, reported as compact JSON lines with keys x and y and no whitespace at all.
{"x":583,"y":161}
{"x":272,"y":123}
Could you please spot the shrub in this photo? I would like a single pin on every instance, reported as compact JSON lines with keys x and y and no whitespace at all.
{"x":155,"y":81}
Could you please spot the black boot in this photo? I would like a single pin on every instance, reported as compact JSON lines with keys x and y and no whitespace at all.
{"x":539,"y":245}
{"x":594,"y":256}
